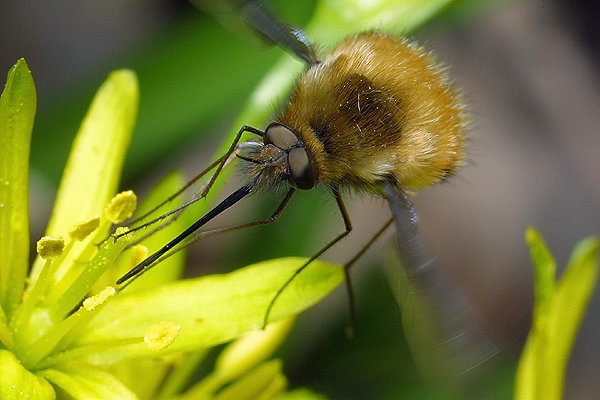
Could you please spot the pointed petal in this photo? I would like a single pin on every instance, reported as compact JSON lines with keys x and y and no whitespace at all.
{"x":17,"y":111}
{"x":84,"y":381}
{"x":18,"y":383}
{"x":94,"y":166}
{"x":209,"y":310}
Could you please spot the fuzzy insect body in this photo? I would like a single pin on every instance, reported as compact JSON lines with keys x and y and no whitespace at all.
{"x":377,"y":108}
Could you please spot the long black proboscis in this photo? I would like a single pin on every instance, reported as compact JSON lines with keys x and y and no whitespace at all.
{"x":219,"y":208}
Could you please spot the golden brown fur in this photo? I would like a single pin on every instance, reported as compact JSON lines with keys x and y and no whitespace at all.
{"x":378,"y":108}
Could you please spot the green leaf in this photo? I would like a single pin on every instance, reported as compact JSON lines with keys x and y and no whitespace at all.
{"x":92,"y":172}
{"x":209,"y":310}
{"x":17,"y":112}
{"x":18,"y":383}
{"x":558,"y":311}
{"x":84,"y":381}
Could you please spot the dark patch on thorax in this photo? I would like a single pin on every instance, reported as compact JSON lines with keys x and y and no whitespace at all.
{"x":366,"y":113}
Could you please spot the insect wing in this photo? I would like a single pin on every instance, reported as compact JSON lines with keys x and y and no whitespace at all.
{"x":439,"y":322}
{"x":256,"y":16}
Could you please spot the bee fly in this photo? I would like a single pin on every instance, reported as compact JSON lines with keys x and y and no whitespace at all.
{"x":377,"y":115}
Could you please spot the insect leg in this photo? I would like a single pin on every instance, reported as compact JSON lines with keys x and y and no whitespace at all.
{"x":348,"y":226}
{"x":232,"y":199}
{"x":350,"y":263}
{"x":176,"y":210}
{"x":220,"y":163}
{"x":218,"y":209}
{"x":272,"y":218}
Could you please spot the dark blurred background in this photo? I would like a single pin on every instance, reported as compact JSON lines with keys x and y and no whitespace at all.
{"x":529,"y":70}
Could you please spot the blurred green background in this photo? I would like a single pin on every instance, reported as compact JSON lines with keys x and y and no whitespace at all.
{"x":530,"y":76}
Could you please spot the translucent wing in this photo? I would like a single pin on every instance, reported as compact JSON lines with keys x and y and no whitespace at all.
{"x":258,"y":17}
{"x":439,"y":321}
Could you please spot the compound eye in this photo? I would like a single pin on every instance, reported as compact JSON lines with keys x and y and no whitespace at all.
{"x":281,"y":137}
{"x":300,"y":168}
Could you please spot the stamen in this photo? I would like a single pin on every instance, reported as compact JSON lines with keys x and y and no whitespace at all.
{"x":81,"y":230}
{"x":138,"y":254}
{"x":92,"y":302}
{"x":50,"y":247}
{"x":161,"y":335}
{"x":121,"y":207}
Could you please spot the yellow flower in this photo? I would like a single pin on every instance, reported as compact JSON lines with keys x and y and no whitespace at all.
{"x":66,"y":327}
